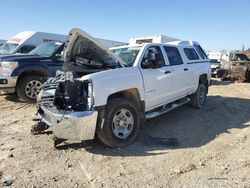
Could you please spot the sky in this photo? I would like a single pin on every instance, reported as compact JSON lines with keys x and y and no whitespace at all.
{"x":215,"y":24}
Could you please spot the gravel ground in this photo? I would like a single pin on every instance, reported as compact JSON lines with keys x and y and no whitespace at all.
{"x":213,"y":149}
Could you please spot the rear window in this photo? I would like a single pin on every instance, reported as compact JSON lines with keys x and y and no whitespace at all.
{"x":174,"y":56}
{"x":191,"y":53}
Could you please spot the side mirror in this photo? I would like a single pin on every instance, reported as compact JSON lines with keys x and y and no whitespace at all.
{"x":59,"y":56}
{"x":151,"y":57}
{"x":150,"y":62}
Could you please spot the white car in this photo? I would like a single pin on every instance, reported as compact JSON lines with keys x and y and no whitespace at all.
{"x":110,"y":93}
{"x":215,"y":66}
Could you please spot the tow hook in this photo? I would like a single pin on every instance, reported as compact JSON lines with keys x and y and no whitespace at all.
{"x":38,"y":128}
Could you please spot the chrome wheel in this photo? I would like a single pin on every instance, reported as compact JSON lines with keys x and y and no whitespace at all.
{"x":123,"y":123}
{"x":32,"y":89}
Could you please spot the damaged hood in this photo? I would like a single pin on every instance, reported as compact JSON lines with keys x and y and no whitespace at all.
{"x":81,"y":45}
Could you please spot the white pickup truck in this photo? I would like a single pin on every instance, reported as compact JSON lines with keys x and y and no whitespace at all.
{"x":110,"y":93}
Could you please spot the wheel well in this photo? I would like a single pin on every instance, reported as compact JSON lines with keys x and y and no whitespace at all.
{"x":203,"y":80}
{"x":31,"y":72}
{"x":132,"y":95}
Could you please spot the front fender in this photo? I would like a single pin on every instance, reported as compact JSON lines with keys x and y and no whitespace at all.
{"x":108,"y":82}
{"x":31,"y":68}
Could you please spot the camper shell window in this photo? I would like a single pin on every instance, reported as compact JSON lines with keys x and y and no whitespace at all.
{"x":191,"y":53}
{"x":174,"y":56}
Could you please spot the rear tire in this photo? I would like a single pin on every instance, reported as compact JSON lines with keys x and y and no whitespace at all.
{"x":198,"y":99}
{"x":28,"y":88}
{"x":121,"y":124}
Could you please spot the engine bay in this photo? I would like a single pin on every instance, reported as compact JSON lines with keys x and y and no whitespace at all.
{"x":72,"y":95}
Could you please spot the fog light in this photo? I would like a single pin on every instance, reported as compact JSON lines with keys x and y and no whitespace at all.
{"x":3,"y":81}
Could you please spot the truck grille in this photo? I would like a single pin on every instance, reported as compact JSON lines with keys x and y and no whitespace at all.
{"x":46,"y":100}
{"x":47,"y":94}
{"x":50,"y":86}
{"x":48,"y":89}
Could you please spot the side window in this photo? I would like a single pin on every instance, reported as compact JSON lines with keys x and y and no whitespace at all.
{"x":59,"y":55}
{"x":173,"y":54}
{"x":200,"y":51}
{"x":26,"y":49}
{"x":191,"y":54}
{"x":154,"y":52}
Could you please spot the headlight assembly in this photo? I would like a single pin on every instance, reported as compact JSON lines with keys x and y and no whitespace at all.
{"x":90,"y":95}
{"x":7,"y":67}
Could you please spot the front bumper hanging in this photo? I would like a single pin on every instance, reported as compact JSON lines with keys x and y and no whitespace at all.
{"x":68,"y":125}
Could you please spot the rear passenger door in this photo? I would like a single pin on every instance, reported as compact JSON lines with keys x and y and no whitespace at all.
{"x":179,"y":72}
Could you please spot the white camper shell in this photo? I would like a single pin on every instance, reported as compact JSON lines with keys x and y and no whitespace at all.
{"x":26,"y":41}
{"x":151,"y":39}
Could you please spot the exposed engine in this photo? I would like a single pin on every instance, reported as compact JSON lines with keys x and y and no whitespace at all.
{"x":72,"y":95}
{"x":65,"y":92}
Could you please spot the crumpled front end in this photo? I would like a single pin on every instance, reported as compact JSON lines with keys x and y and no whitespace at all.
{"x":66,"y":105}
{"x":70,"y":125}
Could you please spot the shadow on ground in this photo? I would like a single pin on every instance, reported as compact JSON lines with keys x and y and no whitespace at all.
{"x":192,"y":127}
{"x":13,"y":98}
{"x":217,"y":81}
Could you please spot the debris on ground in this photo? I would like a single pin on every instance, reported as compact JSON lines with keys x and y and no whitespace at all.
{"x":7,"y":183}
{"x":160,"y":142}
{"x":10,"y":155}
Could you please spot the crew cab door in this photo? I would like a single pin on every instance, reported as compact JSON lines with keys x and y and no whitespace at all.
{"x":179,"y":71}
{"x":157,"y":80}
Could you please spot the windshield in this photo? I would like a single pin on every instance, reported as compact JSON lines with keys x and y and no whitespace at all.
{"x":242,"y":57}
{"x":46,"y":49}
{"x":8,"y":48}
{"x":214,"y":61}
{"x":128,"y":55}
{"x":239,"y":57}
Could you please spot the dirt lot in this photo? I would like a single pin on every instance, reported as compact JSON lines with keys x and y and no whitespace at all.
{"x":213,"y":149}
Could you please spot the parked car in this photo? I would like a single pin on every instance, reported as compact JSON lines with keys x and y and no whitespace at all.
{"x":215,"y":65}
{"x":26,"y":41}
{"x":26,"y":73}
{"x":112,"y":92}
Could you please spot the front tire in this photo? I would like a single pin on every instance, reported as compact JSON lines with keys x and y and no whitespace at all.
{"x":29,"y":87}
{"x":198,"y":99}
{"x":121,"y":124}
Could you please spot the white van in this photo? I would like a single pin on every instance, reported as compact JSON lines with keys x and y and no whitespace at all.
{"x":26,"y":41}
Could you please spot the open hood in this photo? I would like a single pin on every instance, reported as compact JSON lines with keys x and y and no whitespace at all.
{"x":84,"y":50}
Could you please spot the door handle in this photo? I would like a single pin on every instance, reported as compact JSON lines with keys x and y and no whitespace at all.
{"x":167,"y":72}
{"x":185,"y":69}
